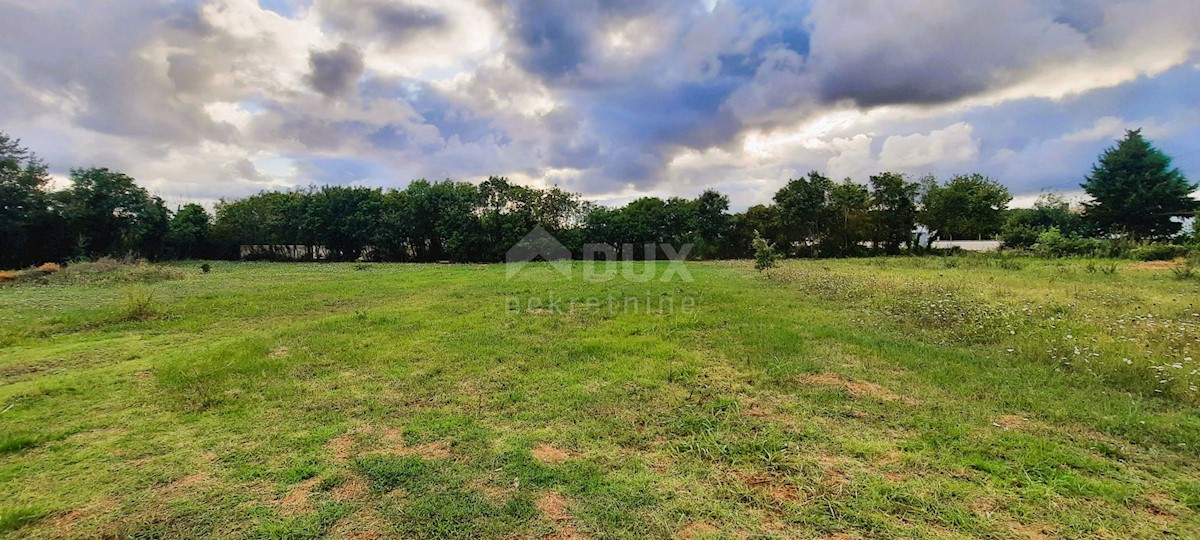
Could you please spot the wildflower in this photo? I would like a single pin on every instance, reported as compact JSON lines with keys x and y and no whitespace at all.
{"x":1128,"y":361}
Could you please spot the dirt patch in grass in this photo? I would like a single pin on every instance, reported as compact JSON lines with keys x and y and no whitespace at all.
{"x":832,"y":467}
{"x":493,"y":493}
{"x":774,"y":488}
{"x":697,"y":531}
{"x":188,"y":484}
{"x":556,"y":508}
{"x":1011,"y":421}
{"x":365,"y":524}
{"x":1030,"y":532}
{"x":63,"y":523}
{"x":433,"y":450}
{"x":1154,"y":265}
{"x":279,"y":352}
{"x":546,"y":453}
{"x":350,"y":490}
{"x":985,"y":506}
{"x":340,"y":447}
{"x":1158,"y":505}
{"x":296,"y":501}
{"x":857,"y":388}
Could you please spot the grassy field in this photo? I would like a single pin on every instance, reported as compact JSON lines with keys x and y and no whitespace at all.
{"x":883,"y":398}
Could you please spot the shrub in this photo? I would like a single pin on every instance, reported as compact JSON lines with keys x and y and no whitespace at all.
{"x":109,"y":270}
{"x":48,"y":268}
{"x":1052,"y":243}
{"x":1159,"y":252}
{"x":764,"y":253}
{"x":140,"y":304}
{"x":206,"y":268}
{"x":1187,"y":270}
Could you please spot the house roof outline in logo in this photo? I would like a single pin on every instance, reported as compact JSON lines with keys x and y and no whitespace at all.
{"x":538,"y":243}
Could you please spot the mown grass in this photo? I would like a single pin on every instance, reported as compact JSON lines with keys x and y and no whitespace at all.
{"x":921,"y":398}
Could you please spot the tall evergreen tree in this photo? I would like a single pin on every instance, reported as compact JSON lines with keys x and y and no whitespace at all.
{"x":1135,"y":191}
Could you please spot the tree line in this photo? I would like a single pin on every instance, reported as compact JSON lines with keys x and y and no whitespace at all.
{"x":1136,"y":194}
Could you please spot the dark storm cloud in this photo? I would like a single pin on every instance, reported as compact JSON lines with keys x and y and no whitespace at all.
{"x":603,"y":94}
{"x":882,"y":53}
{"x":554,"y":37}
{"x":385,"y":20}
{"x":333,"y":73}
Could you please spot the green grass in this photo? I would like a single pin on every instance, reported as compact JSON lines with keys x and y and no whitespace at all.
{"x":903,"y":397}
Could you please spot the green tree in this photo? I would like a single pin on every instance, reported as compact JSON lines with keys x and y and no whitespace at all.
{"x":759,"y":218}
{"x":804,"y":207}
{"x":893,"y":211}
{"x":344,"y":219}
{"x":850,"y":221}
{"x":507,"y":214}
{"x":27,"y":222}
{"x":111,"y":215}
{"x":1051,"y":211}
{"x":188,"y":234}
{"x":445,"y":225}
{"x":765,"y":256}
{"x":969,"y":206}
{"x":1136,"y":192}
{"x":711,"y":223}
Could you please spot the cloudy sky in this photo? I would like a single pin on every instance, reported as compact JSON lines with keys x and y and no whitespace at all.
{"x":200,"y":99}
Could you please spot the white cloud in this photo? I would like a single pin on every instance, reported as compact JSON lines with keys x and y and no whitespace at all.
{"x":216,"y":101}
{"x":952,"y":145}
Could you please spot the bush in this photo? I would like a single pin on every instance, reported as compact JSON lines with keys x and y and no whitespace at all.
{"x":1052,"y":243}
{"x":140,"y":304}
{"x":110,"y":270}
{"x":764,"y":253}
{"x":1159,"y":252}
{"x":1187,"y":270}
{"x":1019,"y":235}
{"x":48,"y":268}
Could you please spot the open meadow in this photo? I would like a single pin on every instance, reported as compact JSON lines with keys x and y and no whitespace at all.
{"x":958,"y":397}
